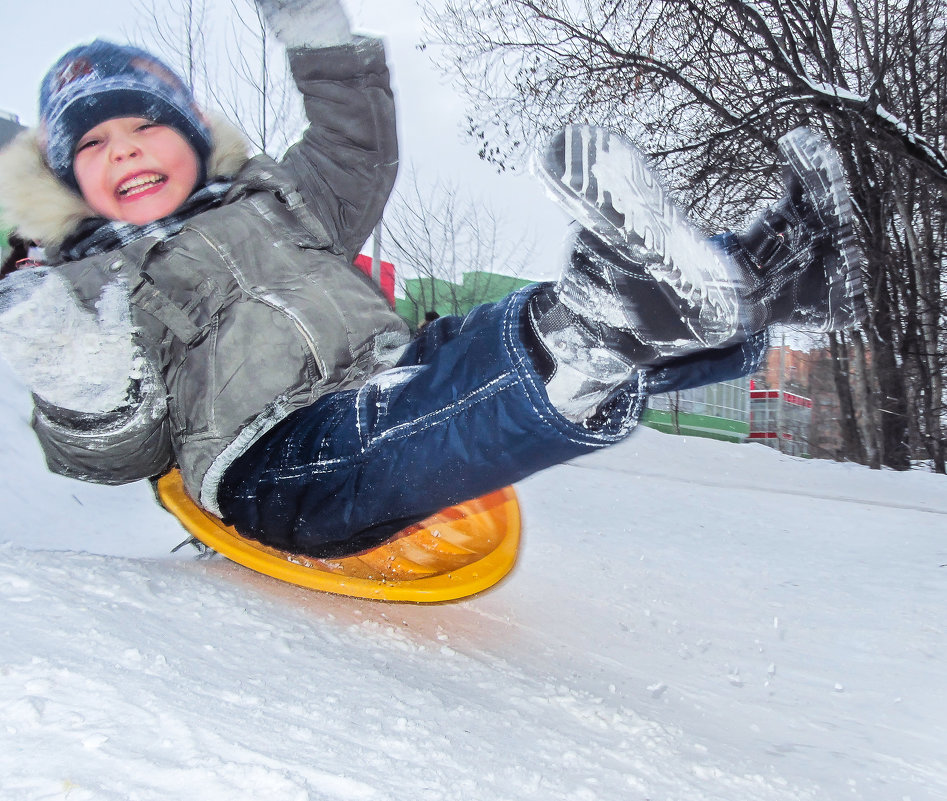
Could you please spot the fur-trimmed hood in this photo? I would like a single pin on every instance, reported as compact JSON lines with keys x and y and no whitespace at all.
{"x":42,"y":209}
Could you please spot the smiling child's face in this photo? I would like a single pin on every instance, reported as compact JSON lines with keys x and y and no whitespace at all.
{"x":133,"y":170}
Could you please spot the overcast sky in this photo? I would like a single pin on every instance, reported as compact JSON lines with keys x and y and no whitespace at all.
{"x":430,"y":113}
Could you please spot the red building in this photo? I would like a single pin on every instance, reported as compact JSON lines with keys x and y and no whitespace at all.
{"x":364,"y":263}
{"x":780,"y":419}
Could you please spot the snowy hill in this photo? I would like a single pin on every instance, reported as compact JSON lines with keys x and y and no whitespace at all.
{"x":688,"y":620}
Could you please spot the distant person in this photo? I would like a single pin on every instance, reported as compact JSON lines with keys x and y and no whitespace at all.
{"x":19,"y":251}
{"x":429,"y":317}
{"x":202,"y":309}
{"x":22,"y":254}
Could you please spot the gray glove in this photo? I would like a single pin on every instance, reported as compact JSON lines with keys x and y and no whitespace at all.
{"x":307,"y":23}
{"x":68,"y":356}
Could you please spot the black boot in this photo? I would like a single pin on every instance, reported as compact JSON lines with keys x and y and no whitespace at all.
{"x":800,"y":260}
{"x":642,"y":285}
{"x":606,"y":319}
{"x":602,"y":179}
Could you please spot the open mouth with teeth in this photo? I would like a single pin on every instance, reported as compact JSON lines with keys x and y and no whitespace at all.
{"x":140,"y":184}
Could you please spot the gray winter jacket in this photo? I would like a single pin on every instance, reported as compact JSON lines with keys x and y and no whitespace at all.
{"x":254,"y":309}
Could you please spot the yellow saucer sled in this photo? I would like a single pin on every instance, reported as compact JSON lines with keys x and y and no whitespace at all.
{"x":460,"y":551}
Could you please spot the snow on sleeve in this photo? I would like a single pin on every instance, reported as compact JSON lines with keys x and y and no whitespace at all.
{"x":70,"y":357}
{"x":307,"y":23}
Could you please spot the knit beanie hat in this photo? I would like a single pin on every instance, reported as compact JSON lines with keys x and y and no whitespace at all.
{"x":101,"y":81}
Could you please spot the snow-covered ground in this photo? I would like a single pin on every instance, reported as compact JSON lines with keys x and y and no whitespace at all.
{"x":688,"y":620}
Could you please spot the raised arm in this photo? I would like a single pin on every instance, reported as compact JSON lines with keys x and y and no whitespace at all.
{"x":347,"y":160}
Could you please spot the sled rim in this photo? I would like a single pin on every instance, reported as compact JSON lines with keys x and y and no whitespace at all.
{"x":496,"y":513}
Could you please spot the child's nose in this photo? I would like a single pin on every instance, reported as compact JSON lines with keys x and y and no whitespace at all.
{"x":123,"y":148}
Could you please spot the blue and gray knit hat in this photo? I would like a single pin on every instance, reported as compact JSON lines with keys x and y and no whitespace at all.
{"x":101,"y":81}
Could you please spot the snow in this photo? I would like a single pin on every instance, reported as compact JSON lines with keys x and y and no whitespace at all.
{"x":687,"y":620}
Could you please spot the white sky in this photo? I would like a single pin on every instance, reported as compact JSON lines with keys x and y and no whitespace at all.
{"x":430,"y":112}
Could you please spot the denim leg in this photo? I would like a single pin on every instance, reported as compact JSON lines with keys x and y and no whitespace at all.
{"x":707,"y":367}
{"x":710,"y":366}
{"x":462,"y":414}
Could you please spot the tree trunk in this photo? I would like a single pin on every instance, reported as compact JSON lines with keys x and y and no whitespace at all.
{"x":868,"y":422}
{"x":853,"y":447}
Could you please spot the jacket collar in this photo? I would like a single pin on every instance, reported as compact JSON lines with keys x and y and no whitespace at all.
{"x":40,"y":208}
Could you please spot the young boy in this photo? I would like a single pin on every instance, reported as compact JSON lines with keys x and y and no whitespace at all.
{"x":201,"y":307}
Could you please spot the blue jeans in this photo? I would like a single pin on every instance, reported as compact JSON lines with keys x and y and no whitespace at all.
{"x":462,"y":414}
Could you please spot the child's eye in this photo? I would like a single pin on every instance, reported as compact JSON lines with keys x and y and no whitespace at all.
{"x":146,"y":125}
{"x":85,"y":145}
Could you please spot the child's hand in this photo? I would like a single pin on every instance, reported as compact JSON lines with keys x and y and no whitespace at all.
{"x":307,"y":23}
{"x":68,"y":356}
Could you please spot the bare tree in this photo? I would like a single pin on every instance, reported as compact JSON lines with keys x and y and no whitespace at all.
{"x":709,"y":88}
{"x":691,"y":76}
{"x":451,"y":249}
{"x":259,"y":95}
{"x":232,"y":64}
{"x":178,"y":34}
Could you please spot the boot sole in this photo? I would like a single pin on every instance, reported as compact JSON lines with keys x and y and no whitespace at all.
{"x":818,"y":167}
{"x":605,"y":183}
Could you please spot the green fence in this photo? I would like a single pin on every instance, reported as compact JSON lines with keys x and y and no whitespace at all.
{"x":446,"y":297}
{"x":696,"y":425}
